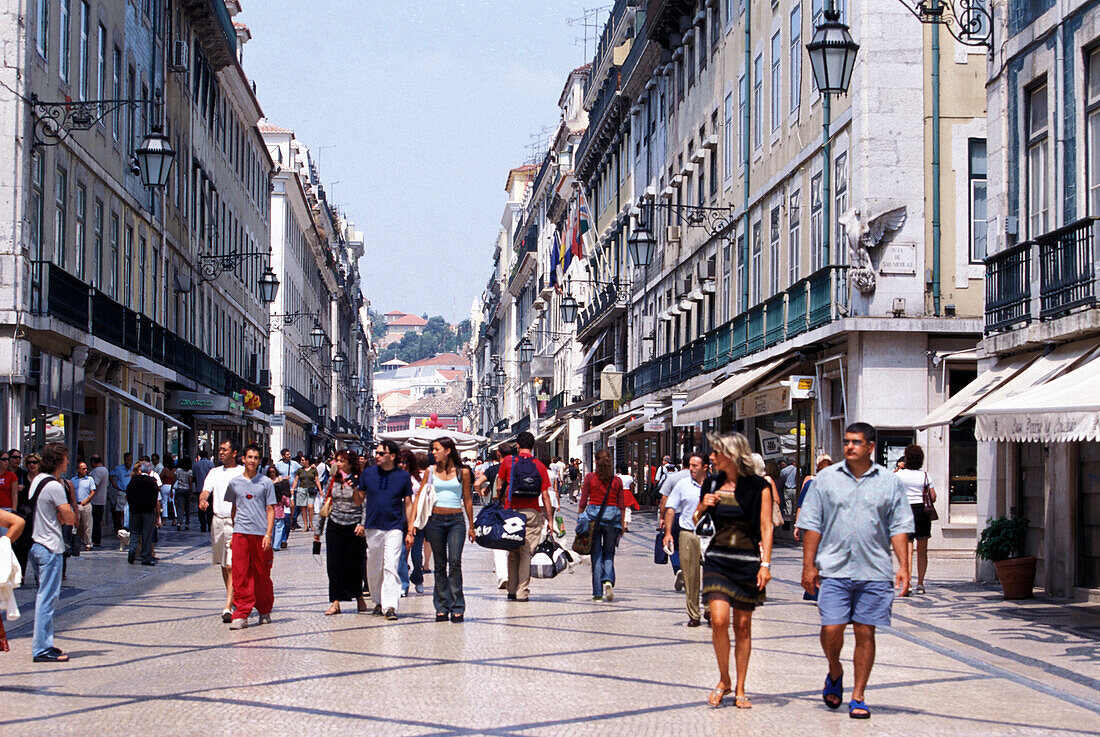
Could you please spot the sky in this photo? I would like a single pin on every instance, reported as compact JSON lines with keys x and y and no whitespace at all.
{"x":416,"y":111}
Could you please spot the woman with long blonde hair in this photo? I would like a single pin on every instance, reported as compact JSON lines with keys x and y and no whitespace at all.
{"x":738,"y":561}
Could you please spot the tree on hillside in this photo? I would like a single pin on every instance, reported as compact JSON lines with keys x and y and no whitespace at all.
{"x":437,"y":337}
{"x":377,"y":325}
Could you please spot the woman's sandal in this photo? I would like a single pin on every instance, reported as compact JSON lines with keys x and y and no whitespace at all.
{"x":716,"y":695}
{"x":441,"y":617}
{"x":833,"y":693}
{"x":858,"y":710}
{"x":334,"y":609}
{"x":361,"y":606}
{"x":742,"y":702}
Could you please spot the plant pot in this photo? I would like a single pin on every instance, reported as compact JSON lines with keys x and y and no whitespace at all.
{"x":1017,"y":576}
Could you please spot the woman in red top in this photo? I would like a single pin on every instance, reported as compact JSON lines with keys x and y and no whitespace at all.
{"x":602,"y":501}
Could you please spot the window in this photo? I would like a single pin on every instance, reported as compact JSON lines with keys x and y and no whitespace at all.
{"x":794,"y":237}
{"x":742,"y":122}
{"x":97,"y":244}
{"x":101,"y":64}
{"x":777,"y":78}
{"x":131,"y":125}
{"x":774,"y":271}
{"x":840,"y":176}
{"x":716,"y":27}
{"x":796,"y":57}
{"x":757,"y":275}
{"x":113,"y":286}
{"x":727,"y":141}
{"x":1092,"y":132}
{"x":702,"y":45}
{"x":1038,"y":162}
{"x":689,"y":61}
{"x":713,"y":155}
{"x":60,"y":217}
{"x":116,"y":92}
{"x":81,"y":229}
{"x":143,"y":247}
{"x":127,"y":266}
{"x":727,"y":269}
{"x":42,"y":30}
{"x":978,"y":214}
{"x":742,"y":290}
{"x":38,"y":174}
{"x":154,"y":282}
{"x":64,"y":19}
{"x":817,"y":246}
{"x":757,"y":101}
{"x":85,"y":39}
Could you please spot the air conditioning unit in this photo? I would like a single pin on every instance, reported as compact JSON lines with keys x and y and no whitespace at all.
{"x":178,"y":60}
{"x":683,"y":287}
{"x":706,"y":270}
{"x":672,"y":234}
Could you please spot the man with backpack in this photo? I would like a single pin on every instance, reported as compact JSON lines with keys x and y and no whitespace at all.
{"x":48,"y":509}
{"x":523,"y":485}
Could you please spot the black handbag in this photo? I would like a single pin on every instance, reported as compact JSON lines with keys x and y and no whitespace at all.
{"x":660,"y":556}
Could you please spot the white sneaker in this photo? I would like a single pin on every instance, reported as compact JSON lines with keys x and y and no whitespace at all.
{"x":608,"y":591}
{"x":238,"y":624}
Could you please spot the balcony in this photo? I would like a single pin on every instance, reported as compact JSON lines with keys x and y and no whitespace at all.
{"x":214,"y":29}
{"x":60,"y":294}
{"x":605,"y":306}
{"x":298,"y":401}
{"x":1063,"y":263}
{"x":780,"y":318}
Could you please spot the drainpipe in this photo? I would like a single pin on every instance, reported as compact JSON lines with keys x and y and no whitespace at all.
{"x":936,"y":213}
{"x":1060,"y":216}
{"x":826,"y":178}
{"x":746,"y":122}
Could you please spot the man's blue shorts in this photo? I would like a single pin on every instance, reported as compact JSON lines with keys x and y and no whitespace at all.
{"x":842,"y":600}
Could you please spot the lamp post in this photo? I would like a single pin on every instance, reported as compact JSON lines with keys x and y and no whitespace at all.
{"x":832,"y":58}
{"x":569,"y":308}
{"x":269,"y":286}
{"x":316,"y":337}
{"x":526,"y":350}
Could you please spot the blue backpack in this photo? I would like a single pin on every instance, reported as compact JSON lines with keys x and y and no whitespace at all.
{"x":524,"y":479}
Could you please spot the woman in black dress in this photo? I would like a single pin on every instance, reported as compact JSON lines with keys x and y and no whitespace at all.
{"x":736,"y":566}
{"x":346,"y":556}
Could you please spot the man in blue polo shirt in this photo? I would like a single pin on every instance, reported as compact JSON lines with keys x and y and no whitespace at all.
{"x":387,"y":513}
{"x":855,"y":513}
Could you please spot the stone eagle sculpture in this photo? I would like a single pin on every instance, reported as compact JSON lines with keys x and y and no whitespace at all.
{"x":863,"y":235}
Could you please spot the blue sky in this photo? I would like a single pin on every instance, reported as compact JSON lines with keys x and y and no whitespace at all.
{"x":421,"y":109}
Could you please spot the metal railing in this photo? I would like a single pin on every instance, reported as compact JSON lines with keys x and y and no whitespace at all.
{"x":1008,"y":287}
{"x":1067,"y":268}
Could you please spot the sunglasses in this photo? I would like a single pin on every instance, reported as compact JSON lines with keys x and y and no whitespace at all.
{"x":32,"y":463}
{"x":3,"y":458}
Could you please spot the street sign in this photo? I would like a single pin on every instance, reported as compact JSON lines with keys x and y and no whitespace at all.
{"x":654,"y":426}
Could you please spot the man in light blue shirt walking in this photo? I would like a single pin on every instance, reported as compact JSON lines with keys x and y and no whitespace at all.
{"x":854,"y":515}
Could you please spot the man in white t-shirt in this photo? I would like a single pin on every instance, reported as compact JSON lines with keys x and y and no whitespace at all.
{"x":221,"y":525}
{"x":52,"y":510}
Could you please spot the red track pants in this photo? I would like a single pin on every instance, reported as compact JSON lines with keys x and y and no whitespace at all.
{"x":251,"y":575}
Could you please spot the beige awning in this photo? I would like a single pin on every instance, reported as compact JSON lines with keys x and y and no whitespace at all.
{"x":708,"y":405}
{"x":594,"y":434}
{"x":130,"y":400}
{"x":973,"y":392}
{"x":640,"y":422}
{"x":554,"y":435}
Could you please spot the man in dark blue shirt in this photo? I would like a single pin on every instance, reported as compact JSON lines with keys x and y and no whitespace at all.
{"x":387,"y":511}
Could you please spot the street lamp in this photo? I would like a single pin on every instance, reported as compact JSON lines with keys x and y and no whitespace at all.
{"x":569,"y":308}
{"x":338,"y":362}
{"x":499,"y":376}
{"x":316,"y":336}
{"x":641,"y":243}
{"x":269,"y":286}
{"x":832,"y":54}
{"x":526,"y":350}
{"x":154,"y":159}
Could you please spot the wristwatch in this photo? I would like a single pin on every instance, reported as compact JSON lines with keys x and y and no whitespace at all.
{"x":765,"y":564}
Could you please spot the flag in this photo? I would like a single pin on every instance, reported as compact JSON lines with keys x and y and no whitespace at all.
{"x":555,"y":259}
{"x":584,"y":225}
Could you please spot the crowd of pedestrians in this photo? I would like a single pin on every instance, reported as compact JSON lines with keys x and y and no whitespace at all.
{"x":378,"y":517}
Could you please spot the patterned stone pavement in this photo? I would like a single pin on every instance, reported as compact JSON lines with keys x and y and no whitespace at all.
{"x":150,"y":655}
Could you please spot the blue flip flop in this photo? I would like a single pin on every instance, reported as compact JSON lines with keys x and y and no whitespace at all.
{"x":855,"y":704}
{"x":833,"y":688}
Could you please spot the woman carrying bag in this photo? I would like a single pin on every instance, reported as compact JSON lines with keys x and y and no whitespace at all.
{"x":346,"y":557}
{"x":450,"y":481}
{"x":737,"y":560}
{"x":602,"y":502}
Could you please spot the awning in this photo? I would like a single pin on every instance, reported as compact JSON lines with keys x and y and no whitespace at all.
{"x":1062,"y":410}
{"x":130,"y":400}
{"x":594,"y":434}
{"x":708,"y":405}
{"x":554,"y":435}
{"x":587,"y":358}
{"x":972,"y":393}
{"x":637,"y":424}
{"x":544,"y":432}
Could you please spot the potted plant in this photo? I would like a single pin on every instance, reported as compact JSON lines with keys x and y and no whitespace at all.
{"x":1002,"y":543}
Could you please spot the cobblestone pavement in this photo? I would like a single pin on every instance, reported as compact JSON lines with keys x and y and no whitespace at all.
{"x":150,"y":655}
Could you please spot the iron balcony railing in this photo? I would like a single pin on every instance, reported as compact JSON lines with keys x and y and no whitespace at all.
{"x":1067,"y":268}
{"x":809,"y":303}
{"x":1008,"y":287}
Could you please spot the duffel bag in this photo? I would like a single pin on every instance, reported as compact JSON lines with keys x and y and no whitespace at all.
{"x":549,"y":559}
{"x":498,"y":528}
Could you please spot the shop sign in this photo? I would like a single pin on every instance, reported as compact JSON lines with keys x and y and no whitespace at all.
{"x":654,"y":426}
{"x":196,"y":402}
{"x":765,"y":402}
{"x":803,"y":387}
{"x":236,"y":402}
{"x":278,"y":420}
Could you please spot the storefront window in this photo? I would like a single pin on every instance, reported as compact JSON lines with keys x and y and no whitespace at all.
{"x":962,"y":448}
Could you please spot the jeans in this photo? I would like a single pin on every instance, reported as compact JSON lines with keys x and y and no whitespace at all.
{"x":447,"y":535}
{"x":403,"y":571}
{"x":279,"y":534}
{"x":48,"y":567}
{"x":183,"y":507}
{"x":416,"y":576}
{"x":604,"y":539}
{"x":97,"y":523}
{"x":143,"y":526}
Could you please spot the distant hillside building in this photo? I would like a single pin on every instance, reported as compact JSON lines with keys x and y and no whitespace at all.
{"x":398,"y":323}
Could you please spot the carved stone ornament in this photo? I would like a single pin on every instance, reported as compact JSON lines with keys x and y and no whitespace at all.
{"x":864,"y":235}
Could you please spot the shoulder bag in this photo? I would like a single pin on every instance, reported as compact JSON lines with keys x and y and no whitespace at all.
{"x":326,"y":508}
{"x":582,"y":540}
{"x":929,"y":504}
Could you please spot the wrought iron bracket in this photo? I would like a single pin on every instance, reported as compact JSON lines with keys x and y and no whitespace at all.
{"x":212,"y":265}
{"x":970,"y":22}
{"x":715,"y":220}
{"x":53,"y":121}
{"x":281,"y":322}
